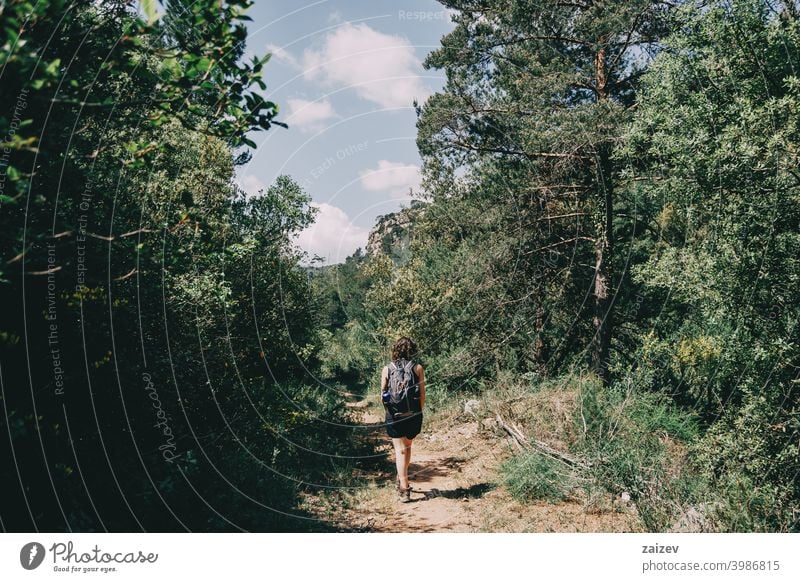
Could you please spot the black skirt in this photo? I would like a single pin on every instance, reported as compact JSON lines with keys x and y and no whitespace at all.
{"x":407,"y":426}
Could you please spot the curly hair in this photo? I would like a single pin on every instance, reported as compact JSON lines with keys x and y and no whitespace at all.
{"x":404,"y":349}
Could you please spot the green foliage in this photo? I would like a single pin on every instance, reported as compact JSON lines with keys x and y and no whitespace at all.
{"x":339,"y":291}
{"x":558,"y":164}
{"x":751,"y":459}
{"x":717,"y":131}
{"x":632,"y":441}
{"x":171,"y":327}
{"x":348,"y":349}
{"x":349,"y":353}
{"x":532,"y":476}
{"x":517,"y":156}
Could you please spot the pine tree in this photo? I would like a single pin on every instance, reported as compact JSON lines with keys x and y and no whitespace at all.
{"x":547,"y":86}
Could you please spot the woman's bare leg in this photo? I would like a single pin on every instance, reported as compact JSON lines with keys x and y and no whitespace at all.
{"x":407,"y":445}
{"x":402,"y":457}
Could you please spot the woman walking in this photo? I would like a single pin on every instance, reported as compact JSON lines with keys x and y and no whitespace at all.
{"x":403,"y":394}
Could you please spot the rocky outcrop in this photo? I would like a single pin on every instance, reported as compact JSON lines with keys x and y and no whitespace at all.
{"x":393,"y":232}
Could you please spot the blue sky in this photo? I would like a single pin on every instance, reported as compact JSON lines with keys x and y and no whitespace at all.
{"x":345,"y":74}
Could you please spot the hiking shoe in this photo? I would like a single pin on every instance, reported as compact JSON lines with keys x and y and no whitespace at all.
{"x":404,"y":495}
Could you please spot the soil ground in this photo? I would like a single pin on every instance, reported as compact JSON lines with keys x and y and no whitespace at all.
{"x":457,"y":487}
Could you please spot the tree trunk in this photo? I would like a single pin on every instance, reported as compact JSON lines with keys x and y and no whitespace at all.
{"x":604,"y":270}
{"x":541,"y":351}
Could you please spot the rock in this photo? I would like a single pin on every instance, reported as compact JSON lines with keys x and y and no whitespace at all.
{"x":469,"y":429}
{"x":391,"y":234}
{"x":693,"y":520}
{"x":489,"y":422}
{"x":471,"y":406}
{"x":625,"y":496}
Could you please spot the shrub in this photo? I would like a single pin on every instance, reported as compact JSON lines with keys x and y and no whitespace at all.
{"x":751,"y":460}
{"x":633,"y":440}
{"x":532,"y":476}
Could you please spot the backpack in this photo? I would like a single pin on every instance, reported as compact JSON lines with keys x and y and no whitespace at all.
{"x":402,"y":388}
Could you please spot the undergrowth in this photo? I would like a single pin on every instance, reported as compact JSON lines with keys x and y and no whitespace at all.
{"x":630,"y":444}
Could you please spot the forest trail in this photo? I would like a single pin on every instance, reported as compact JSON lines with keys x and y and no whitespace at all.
{"x":454,"y":474}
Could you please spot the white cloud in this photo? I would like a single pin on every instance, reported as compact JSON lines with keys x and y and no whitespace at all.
{"x":333,"y":235}
{"x":381,"y":68}
{"x":393,"y":177}
{"x":309,"y":115}
{"x":281,"y":54}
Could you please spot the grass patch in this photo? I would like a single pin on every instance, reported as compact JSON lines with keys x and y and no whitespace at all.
{"x":652,"y":414}
{"x":531,"y":476}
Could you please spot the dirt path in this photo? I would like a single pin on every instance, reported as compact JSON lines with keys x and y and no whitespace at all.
{"x":454,"y":474}
{"x":448,"y":485}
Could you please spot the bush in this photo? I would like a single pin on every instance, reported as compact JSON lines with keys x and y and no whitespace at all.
{"x":348,"y":353}
{"x":532,"y":476}
{"x":751,"y":460}
{"x":634,"y":443}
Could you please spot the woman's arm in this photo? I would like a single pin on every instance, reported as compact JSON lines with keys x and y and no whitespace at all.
{"x":421,"y":377}
{"x":384,"y":378}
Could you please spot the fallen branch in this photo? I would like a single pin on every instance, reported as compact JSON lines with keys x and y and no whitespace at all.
{"x":522,"y":443}
{"x":516,"y":438}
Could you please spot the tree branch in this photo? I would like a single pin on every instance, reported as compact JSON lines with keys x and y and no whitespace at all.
{"x":519,"y":152}
{"x":561,"y":242}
